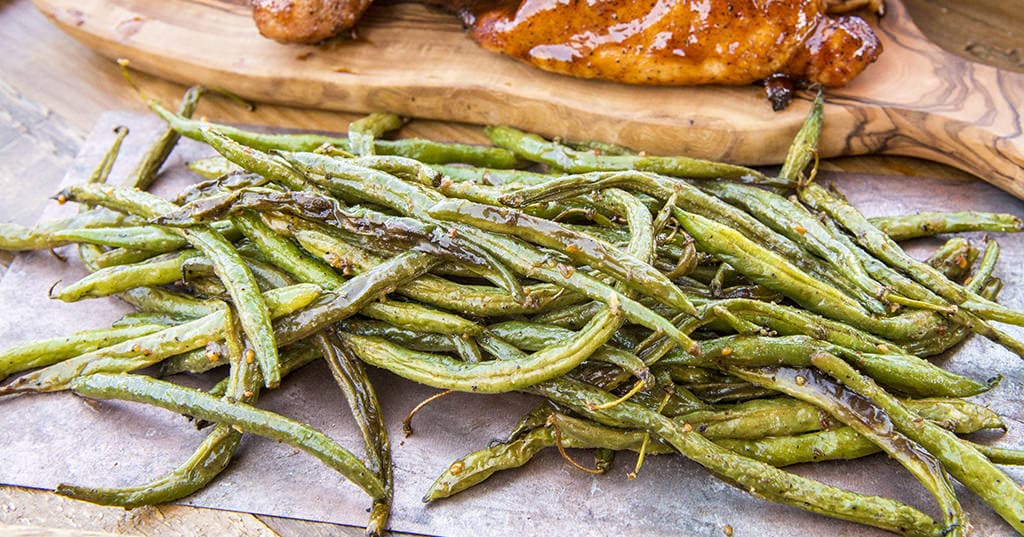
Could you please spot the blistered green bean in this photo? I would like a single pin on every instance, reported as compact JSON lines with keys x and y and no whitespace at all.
{"x":142,"y":389}
{"x":925,"y":224}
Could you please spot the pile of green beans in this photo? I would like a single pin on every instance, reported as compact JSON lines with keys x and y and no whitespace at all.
{"x":661,"y":305}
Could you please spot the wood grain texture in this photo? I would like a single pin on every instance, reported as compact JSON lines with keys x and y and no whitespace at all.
{"x":983,"y":31}
{"x":916,"y":100}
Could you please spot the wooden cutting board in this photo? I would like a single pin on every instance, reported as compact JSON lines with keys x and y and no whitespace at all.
{"x":917,"y":100}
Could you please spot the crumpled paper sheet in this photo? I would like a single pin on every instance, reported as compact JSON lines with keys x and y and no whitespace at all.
{"x":58,"y":438}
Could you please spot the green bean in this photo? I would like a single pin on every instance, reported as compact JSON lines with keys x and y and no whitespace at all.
{"x":571,"y":316}
{"x":366,"y":227}
{"x":985,"y":268}
{"x":471,"y":299}
{"x":201,"y":360}
{"x":537,"y":149}
{"x":693,"y":200}
{"x":50,"y":351}
{"x":534,"y":337}
{"x":418,"y":341}
{"x":925,"y":224}
{"x":804,"y":145}
{"x":210,"y":458}
{"x":108,"y":281}
{"x":642,"y":244}
{"x":122,"y":256}
{"x":907,"y":373}
{"x":964,"y":462}
{"x":309,"y":270}
{"x":699,"y":270}
{"x":293,"y":357}
{"x":157,"y":300}
{"x":208,"y":357}
{"x":253,"y":312}
{"x":145,"y":171}
{"x":402,"y":167}
{"x":589,"y":209}
{"x":138,"y":318}
{"x":999,"y":455}
{"x":779,"y":416}
{"x":149,"y":238}
{"x":840,"y":443}
{"x":220,"y":185}
{"x":285,"y":254}
{"x":87,"y":253}
{"x":870,"y":422}
{"x":236,"y":277}
{"x":529,"y":335}
{"x":426,"y":151}
{"x":362,"y":400}
{"x":252,"y":160}
{"x":467,"y":349}
{"x":758,"y":478}
{"x":488,"y":377}
{"x":345,"y":369}
{"x":532,"y":263}
{"x":267,"y":276}
{"x":911,"y":289}
{"x":14,"y":237}
{"x":147,"y":350}
{"x":597,"y":147}
{"x":142,"y":389}
{"x":420,"y":318}
{"x":583,"y":249}
{"x":213,"y":168}
{"x":490,"y":176}
{"x":476,"y":467}
{"x":769,"y":269}
{"x":783,"y":416}
{"x":887,"y":250}
{"x":352,"y":296}
{"x":794,"y":222}
{"x":957,"y":415}
{"x":916,"y":376}
{"x":363,"y":132}
{"x":604,"y":460}
{"x":954,"y":258}
{"x":100,"y":174}
{"x":728,"y":392}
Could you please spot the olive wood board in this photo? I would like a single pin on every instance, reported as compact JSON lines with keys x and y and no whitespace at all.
{"x":53,"y":438}
{"x":916,"y":100}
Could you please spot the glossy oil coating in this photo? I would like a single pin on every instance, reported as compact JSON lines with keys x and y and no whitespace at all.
{"x":671,"y":42}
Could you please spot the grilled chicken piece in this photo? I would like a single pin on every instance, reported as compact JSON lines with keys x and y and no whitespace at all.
{"x":306,"y":21}
{"x":676,"y":42}
{"x":680,"y":42}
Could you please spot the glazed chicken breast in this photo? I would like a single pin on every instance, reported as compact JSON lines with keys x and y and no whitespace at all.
{"x":681,"y":43}
{"x":663,"y":42}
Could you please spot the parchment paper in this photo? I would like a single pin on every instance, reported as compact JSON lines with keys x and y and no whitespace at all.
{"x":56,"y":438}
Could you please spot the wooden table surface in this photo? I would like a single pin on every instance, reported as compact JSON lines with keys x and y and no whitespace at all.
{"x":52,"y":90}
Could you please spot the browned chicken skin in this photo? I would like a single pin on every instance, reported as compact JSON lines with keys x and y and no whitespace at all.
{"x":685,"y":43}
{"x":677,"y":42}
{"x":306,"y":21}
